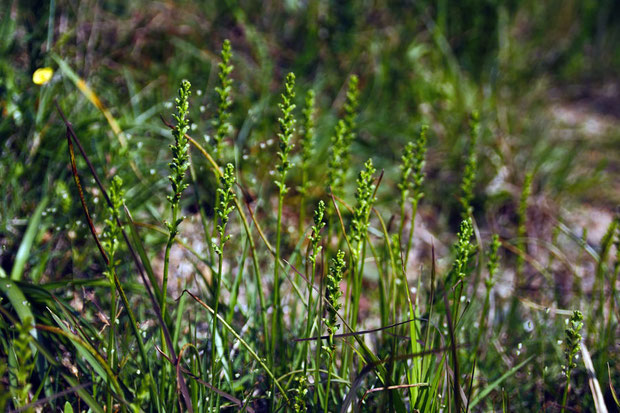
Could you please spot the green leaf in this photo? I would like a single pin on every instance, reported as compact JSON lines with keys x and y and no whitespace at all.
{"x":611,"y":387}
{"x":68,"y":408}
{"x":79,"y":344}
{"x":24,"y":248}
{"x":17,"y":299}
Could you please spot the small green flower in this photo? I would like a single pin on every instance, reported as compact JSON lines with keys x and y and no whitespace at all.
{"x":365,"y":199}
{"x":335,"y":171}
{"x":300,"y":392}
{"x":221,"y":123}
{"x":350,"y":114}
{"x":178,"y":168}
{"x":469,"y":176}
{"x":307,"y":132}
{"x":343,"y":137}
{"x":315,"y":235}
{"x":572,"y":344}
{"x":307,"y":136}
{"x":413,"y":160}
{"x":224,"y":205}
{"x":287,"y":130}
{"x":493,"y":260}
{"x":112,"y":232}
{"x":464,"y":250}
{"x":180,"y":148}
{"x":333,"y":293}
{"x":24,"y":363}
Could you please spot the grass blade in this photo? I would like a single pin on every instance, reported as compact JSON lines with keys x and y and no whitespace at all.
{"x":17,"y":299}
{"x":611,"y":387}
{"x":92,"y":97}
{"x":595,"y":387}
{"x":84,"y":395}
{"x":24,"y":248}
{"x":484,"y":393}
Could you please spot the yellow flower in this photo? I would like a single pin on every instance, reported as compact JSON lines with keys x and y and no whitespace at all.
{"x":42,"y":75}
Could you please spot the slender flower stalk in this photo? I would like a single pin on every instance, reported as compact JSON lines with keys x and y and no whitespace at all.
{"x":521,"y":242}
{"x":464,"y":250}
{"x":599,"y":289}
{"x":521,"y":228}
{"x":110,"y":242}
{"x":332,"y":295}
{"x":315,"y":240}
{"x":223,"y":208}
{"x":287,"y":130}
{"x":410,"y":185}
{"x":609,"y":336}
{"x":572,"y":346}
{"x":335,"y":171}
{"x":492,"y":267}
{"x":361,"y":214}
{"x":359,"y":231}
{"x":221,"y":122}
{"x":307,"y":150}
{"x":344,"y":135}
{"x":350,"y":118}
{"x":178,"y":167}
{"x":471,"y":166}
